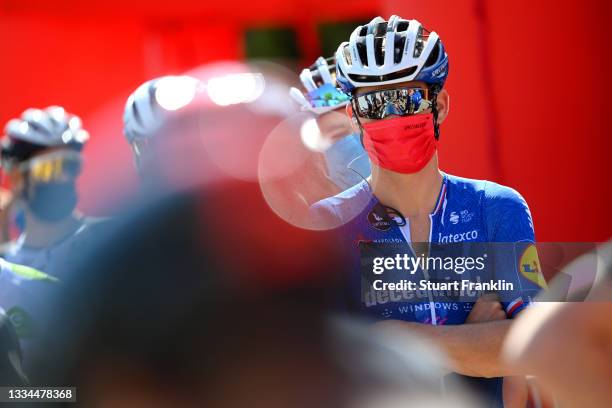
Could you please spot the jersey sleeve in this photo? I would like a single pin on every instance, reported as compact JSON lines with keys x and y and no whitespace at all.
{"x":507,"y":215}
{"x":511,"y":233}
{"x":323,"y":215}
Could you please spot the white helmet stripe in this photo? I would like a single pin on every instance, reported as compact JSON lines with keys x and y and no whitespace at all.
{"x":413,"y":31}
{"x":324,"y":71}
{"x":307,"y":80}
{"x":354,"y":35}
{"x":429,"y":46}
{"x":389,"y":47}
{"x":145,"y":111}
{"x":142,"y":97}
{"x":370,"y":52}
{"x":355,"y":56}
{"x":406,"y":50}
{"x":375,"y":21}
{"x":426,"y":51}
{"x":299,"y":97}
{"x":392,"y":23}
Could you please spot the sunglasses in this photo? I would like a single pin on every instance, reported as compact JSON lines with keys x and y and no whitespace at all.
{"x":399,"y":101}
{"x":55,"y":166}
{"x":327,"y":95}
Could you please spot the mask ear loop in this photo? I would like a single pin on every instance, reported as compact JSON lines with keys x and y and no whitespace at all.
{"x":387,"y":210}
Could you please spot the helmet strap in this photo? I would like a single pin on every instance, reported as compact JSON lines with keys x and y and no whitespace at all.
{"x":350,"y":109}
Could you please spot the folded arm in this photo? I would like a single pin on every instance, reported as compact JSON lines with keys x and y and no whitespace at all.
{"x":473,"y":349}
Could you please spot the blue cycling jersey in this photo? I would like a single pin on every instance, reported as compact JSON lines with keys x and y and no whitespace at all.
{"x":466,"y":211}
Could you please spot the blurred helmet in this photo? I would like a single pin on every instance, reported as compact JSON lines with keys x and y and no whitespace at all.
{"x":322,"y":95}
{"x":38,"y":130}
{"x":387,"y":52}
{"x":146,"y":108}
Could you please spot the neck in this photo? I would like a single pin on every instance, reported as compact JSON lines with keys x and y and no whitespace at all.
{"x":41,"y":234}
{"x":412,"y":194}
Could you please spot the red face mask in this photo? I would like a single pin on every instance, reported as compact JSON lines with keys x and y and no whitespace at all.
{"x":404,"y":144}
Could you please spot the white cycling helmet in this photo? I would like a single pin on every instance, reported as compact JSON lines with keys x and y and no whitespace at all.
{"x":387,"y":52}
{"x":39,"y":129}
{"x":147,"y":108}
{"x":322,"y":93}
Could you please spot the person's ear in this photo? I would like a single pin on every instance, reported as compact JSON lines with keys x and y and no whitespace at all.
{"x":443,"y":105}
{"x":354,"y":122}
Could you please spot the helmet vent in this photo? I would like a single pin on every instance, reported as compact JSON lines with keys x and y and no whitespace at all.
{"x":398,"y":50}
{"x":381,"y":78}
{"x":347,"y":55}
{"x":434,"y":55}
{"x":419,"y":45}
{"x":379,"y":50}
{"x":380,"y":29}
{"x":402,"y":26}
{"x":363,"y":53}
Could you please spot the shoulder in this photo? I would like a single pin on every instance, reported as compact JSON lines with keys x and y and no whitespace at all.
{"x":94,"y":225}
{"x":500,"y":198}
{"x":464,"y":189}
{"x":489,"y":192}
{"x":503,"y":210}
{"x":92,"y":231}
{"x":344,"y":206}
{"x":95,"y":222}
{"x":507,"y":214}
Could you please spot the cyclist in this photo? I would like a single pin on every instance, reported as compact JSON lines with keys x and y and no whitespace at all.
{"x":395,"y":72}
{"x":346,"y":162}
{"x":146,"y":112}
{"x":41,"y":155}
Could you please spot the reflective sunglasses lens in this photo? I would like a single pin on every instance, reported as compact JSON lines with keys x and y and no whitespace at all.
{"x":401,"y":102}
{"x":54,"y":169}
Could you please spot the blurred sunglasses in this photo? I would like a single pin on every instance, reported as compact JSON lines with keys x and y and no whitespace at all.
{"x":400,"y":101}
{"x":54,"y":166}
{"x":327,"y":95}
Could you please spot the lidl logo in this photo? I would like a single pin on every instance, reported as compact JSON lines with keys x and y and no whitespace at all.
{"x":530,"y":268}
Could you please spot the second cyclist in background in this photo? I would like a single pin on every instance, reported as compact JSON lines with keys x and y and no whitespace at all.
{"x":345,"y":160}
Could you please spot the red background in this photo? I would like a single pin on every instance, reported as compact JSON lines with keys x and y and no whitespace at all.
{"x":528,"y":82}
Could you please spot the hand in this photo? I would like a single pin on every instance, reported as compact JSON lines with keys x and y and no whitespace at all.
{"x":334,"y":126}
{"x":486,"y":309}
